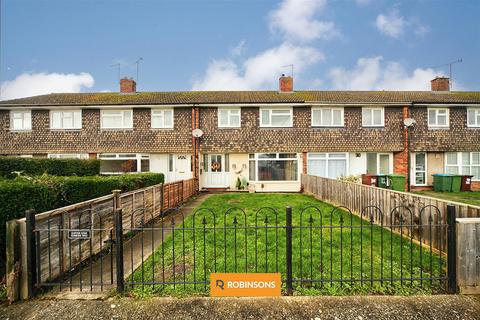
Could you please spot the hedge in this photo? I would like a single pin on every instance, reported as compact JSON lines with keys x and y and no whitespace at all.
{"x":50,"y":192}
{"x":56,"y":167}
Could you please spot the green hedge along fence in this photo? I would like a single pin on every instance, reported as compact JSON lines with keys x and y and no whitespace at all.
{"x":50,"y":192}
{"x":55,"y":167}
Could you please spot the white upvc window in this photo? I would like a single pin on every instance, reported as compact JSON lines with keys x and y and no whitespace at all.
{"x":465,"y":163}
{"x":327,"y":165}
{"x":276,"y":117}
{"x":473,"y":117}
{"x":327,"y":117}
{"x":68,"y":156}
{"x":65,"y":119}
{"x":119,"y":163}
{"x":117,"y":119}
{"x":229,"y":117}
{"x":20,"y":120}
{"x":162,"y":118}
{"x":373,"y":117}
{"x":438,"y":117}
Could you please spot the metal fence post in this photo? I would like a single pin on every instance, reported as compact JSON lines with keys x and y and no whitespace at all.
{"x":31,"y":252}
{"x":452,"y":249}
{"x":119,"y":250}
{"x":288,"y":237}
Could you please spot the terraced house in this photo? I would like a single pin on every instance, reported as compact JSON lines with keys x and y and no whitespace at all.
{"x":265,"y":137}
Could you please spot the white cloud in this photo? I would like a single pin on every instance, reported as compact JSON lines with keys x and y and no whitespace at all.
{"x":257,"y":72}
{"x":392,"y":24}
{"x":31,"y":84}
{"x":295,"y":20}
{"x":371,"y":74}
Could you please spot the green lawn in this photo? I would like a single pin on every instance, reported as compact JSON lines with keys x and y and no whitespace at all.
{"x":465,"y":197}
{"x":321,"y":254}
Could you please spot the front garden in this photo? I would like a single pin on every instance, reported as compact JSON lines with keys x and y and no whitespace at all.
{"x":333,"y":252}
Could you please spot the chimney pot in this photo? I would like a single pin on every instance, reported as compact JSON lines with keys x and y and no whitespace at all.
{"x":128,"y":85}
{"x":440,"y":84}
{"x":285,"y":84}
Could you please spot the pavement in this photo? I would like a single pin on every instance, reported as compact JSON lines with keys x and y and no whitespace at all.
{"x":321,"y":307}
{"x":135,"y":250}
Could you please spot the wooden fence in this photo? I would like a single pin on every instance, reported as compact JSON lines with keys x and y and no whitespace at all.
{"x":414,"y":209}
{"x":58,"y":254}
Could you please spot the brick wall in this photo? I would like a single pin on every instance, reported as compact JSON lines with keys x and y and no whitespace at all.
{"x":456,"y":138}
{"x":92,"y":139}
{"x":301,"y":137}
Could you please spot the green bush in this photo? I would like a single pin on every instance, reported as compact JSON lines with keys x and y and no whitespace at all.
{"x":50,"y":192}
{"x":56,"y":167}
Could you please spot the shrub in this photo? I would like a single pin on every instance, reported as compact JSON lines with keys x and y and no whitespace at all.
{"x":56,"y":167}
{"x":50,"y":192}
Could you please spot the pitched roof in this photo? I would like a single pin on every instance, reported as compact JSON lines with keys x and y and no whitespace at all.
{"x":246,"y":97}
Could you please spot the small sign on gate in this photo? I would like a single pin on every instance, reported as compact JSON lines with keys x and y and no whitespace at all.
{"x":79,"y":234}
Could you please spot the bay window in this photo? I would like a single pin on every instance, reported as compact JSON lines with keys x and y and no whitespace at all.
{"x":327,"y":165}
{"x":66,"y":119}
{"x":465,"y":163}
{"x":273,"y":167}
{"x":327,"y":117}
{"x":276,"y":117}
{"x":118,"y":163}
{"x":162,"y":118}
{"x":117,"y":119}
{"x":20,"y":120}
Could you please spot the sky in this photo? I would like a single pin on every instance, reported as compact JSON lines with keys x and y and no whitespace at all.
{"x":76,"y":45}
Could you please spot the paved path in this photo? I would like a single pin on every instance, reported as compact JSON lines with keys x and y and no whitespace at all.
{"x":101,"y":270}
{"x":448,"y":307}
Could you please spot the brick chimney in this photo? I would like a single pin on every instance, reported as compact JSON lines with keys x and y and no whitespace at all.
{"x":128,"y":85}
{"x":285,"y":84}
{"x":440,"y":84}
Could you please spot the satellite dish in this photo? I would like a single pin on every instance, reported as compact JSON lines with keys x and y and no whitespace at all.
{"x":408,"y":122}
{"x":197,"y":133}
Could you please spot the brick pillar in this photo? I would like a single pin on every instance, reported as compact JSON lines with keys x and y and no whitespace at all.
{"x":92,"y":156}
{"x":400,"y":159}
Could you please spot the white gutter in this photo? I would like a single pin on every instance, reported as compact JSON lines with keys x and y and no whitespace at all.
{"x":272,"y":104}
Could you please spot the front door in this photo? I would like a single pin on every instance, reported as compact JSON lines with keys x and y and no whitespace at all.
{"x":215,"y":171}
{"x":182,"y":167}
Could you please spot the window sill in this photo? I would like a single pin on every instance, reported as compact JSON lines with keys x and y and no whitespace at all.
{"x":63,"y":130}
{"x":328,"y":127}
{"x":373,"y":127}
{"x":21,"y":130}
{"x":116,"y":129}
{"x":439,"y":128}
{"x":272,"y":127}
{"x":162,"y":129}
{"x":229,"y":128}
